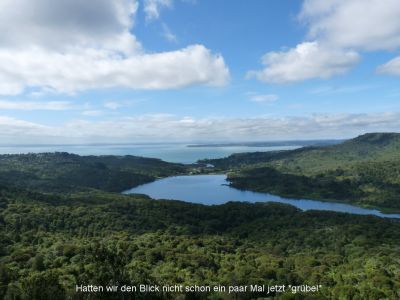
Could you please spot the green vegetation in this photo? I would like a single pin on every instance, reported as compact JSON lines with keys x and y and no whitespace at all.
{"x":63,"y":225}
{"x":363,"y":171}
{"x":51,"y":243}
{"x":64,"y":172}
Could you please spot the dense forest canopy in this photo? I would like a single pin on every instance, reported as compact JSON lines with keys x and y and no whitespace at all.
{"x":64,"y":223}
{"x":63,"y":172}
{"x":51,"y":243}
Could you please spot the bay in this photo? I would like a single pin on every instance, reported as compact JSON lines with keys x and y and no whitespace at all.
{"x":171,"y":152}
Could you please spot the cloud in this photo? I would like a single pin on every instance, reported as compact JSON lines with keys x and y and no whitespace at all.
{"x":72,"y":72}
{"x":165,"y":127}
{"x":92,"y":113}
{"x":264,"y":98}
{"x":66,"y":25}
{"x":392,"y":67}
{"x":325,"y":90}
{"x":12,"y":129}
{"x":168,"y":35}
{"x":308,"y":60}
{"x":152,"y":8}
{"x":34,"y":105}
{"x":337,"y":31}
{"x":112,"y":105}
{"x":357,"y":24}
{"x":75,"y":45}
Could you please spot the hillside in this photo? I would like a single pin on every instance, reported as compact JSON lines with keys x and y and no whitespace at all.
{"x":60,"y":227}
{"x":51,"y":243}
{"x":367,"y":147}
{"x":364,"y":171}
{"x":64,"y":172}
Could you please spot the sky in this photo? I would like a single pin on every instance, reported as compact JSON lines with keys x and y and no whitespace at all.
{"x":128,"y":71}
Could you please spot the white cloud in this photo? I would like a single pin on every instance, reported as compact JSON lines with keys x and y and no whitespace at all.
{"x":112,"y":105}
{"x":73,"y":72}
{"x":152,"y":8}
{"x":34,"y":105}
{"x":308,"y":60}
{"x":337,"y":31}
{"x":12,"y":129}
{"x":168,"y":35}
{"x":162,"y":127}
{"x":324,"y":90}
{"x":392,"y":67}
{"x":264,"y":98}
{"x":9,"y":86}
{"x":75,"y":45}
{"x":357,"y":24}
{"x":92,"y":113}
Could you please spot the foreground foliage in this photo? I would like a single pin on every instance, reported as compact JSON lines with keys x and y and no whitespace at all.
{"x":51,"y":243}
{"x":61,"y":226}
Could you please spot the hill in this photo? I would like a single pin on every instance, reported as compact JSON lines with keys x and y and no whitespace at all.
{"x":60,"y":226}
{"x":364,"y":171}
{"x":64,"y":172}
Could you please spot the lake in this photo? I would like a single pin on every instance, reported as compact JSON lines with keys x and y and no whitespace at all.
{"x":213,"y":189}
{"x":173,"y":152}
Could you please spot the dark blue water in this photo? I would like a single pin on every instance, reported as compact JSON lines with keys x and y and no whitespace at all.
{"x":213,"y":189}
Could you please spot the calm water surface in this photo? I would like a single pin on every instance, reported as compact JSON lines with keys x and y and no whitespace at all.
{"x":178,"y":153}
{"x":213,"y":189}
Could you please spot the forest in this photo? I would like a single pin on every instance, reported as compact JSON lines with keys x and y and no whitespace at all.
{"x":65,"y":172}
{"x":64,"y":223}
{"x":51,"y":243}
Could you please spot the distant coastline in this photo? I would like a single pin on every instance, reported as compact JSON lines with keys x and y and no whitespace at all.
{"x":301,"y":143}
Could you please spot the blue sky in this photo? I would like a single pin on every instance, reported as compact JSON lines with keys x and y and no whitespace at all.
{"x":187,"y":70}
